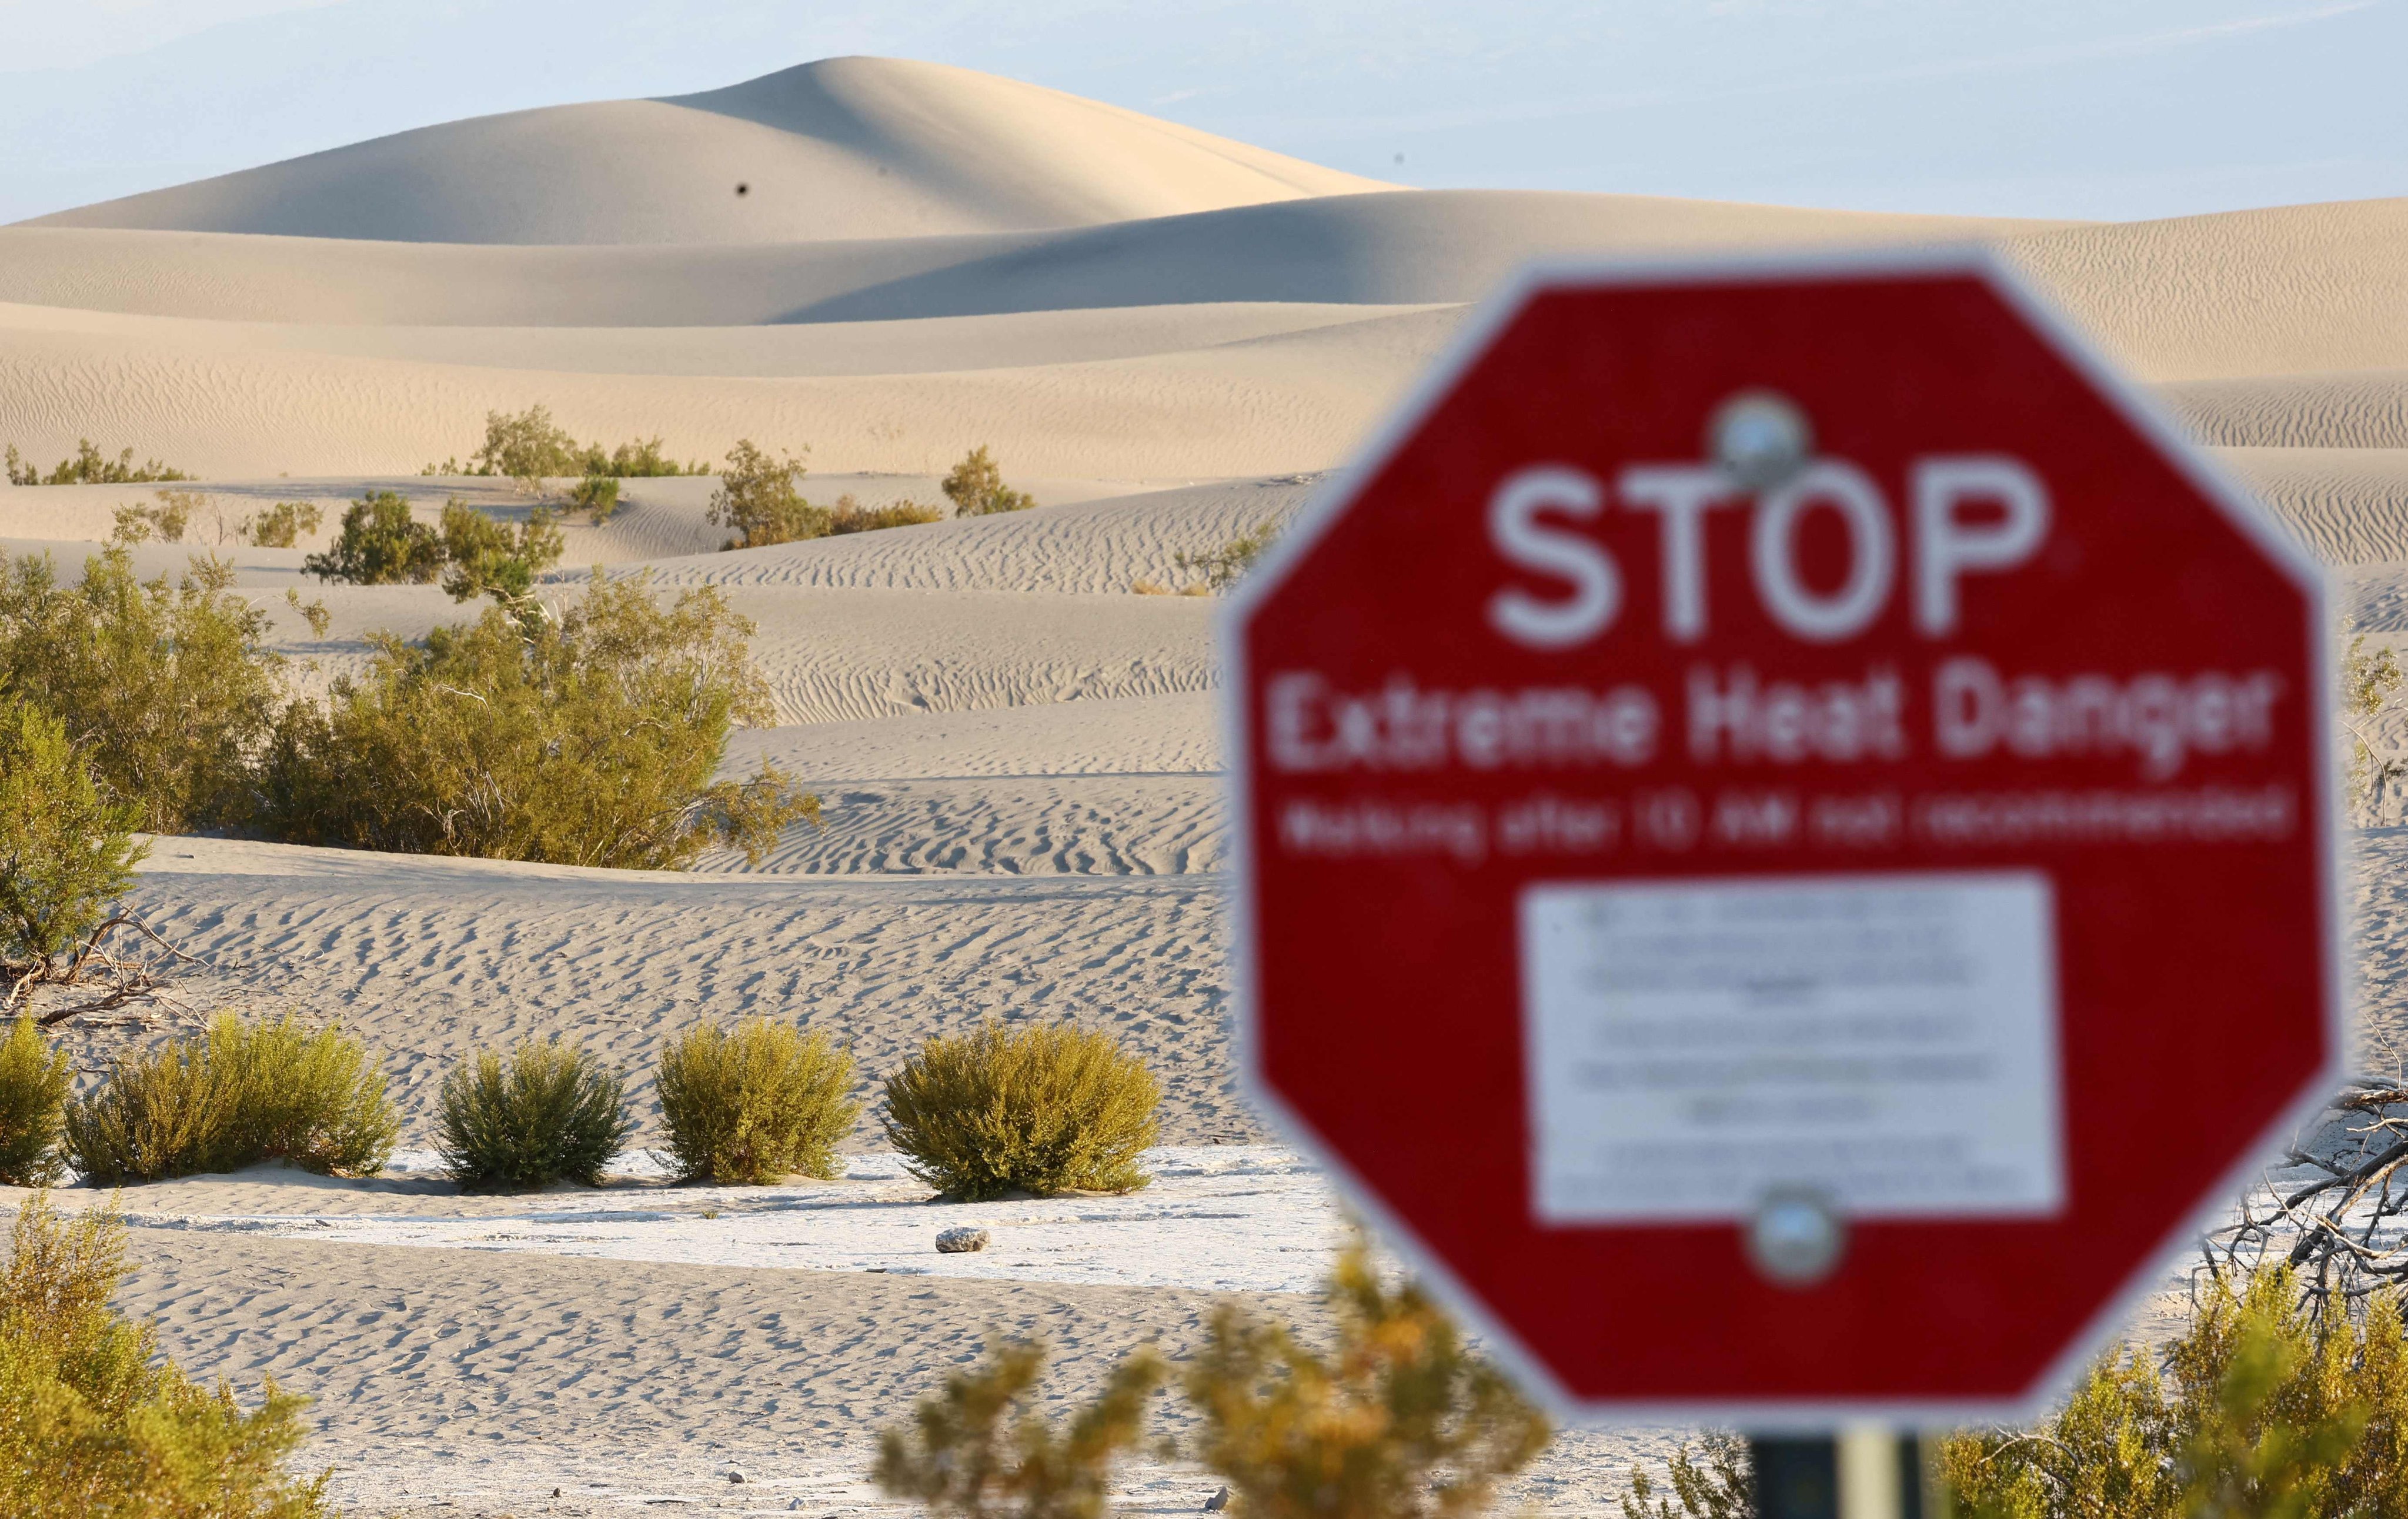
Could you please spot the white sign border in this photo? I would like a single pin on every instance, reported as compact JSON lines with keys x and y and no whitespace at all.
{"x":1478,"y":331}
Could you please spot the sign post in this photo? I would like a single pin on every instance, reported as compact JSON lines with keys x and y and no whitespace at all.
{"x":1760,"y":795}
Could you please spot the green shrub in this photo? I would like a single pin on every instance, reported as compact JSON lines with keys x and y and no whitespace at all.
{"x":65,"y":850}
{"x":638,"y":458}
{"x":549,"y":1113}
{"x":758,"y":498}
{"x":94,"y":1420}
{"x":167,"y":692}
{"x":1225,"y":566}
{"x":485,"y":556}
{"x":241,"y":1094}
{"x":849,"y":516}
{"x":528,"y":446}
{"x":980,"y":1450}
{"x":32,"y":1095}
{"x":89,"y":467}
{"x":588,"y":738}
{"x":1716,"y":1481}
{"x":381,"y":544}
{"x":598,"y":496}
{"x":167,"y":520}
{"x":748,"y":1106}
{"x":283,"y":524}
{"x":1044,"y":1110}
{"x":975,"y":487}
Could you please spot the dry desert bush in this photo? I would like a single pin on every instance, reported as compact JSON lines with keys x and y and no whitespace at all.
{"x":33,"y":1095}
{"x":88,"y":467}
{"x":67,"y":851}
{"x":381,"y":543}
{"x":240,"y":1094}
{"x":749,"y":1105}
{"x":283,"y":524}
{"x":850,"y":516}
{"x":1222,"y":568}
{"x":975,"y":1450}
{"x":975,"y":487}
{"x":1043,"y":1109}
{"x":589,"y":738}
{"x":528,"y":446}
{"x":94,"y":1420}
{"x":758,"y":497}
{"x":546,"y":1113}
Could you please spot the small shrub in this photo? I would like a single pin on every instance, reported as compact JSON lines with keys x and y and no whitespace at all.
{"x":980,"y":1450}
{"x":88,"y":467}
{"x":67,"y":851}
{"x":548,"y":1113}
{"x":241,"y":1094}
{"x":849,"y":516}
{"x":1225,"y":566}
{"x":528,"y":446}
{"x":283,"y":524}
{"x":1045,"y":1109}
{"x":33,"y":1095}
{"x":749,"y":1106}
{"x":638,"y":459}
{"x":598,"y":496}
{"x":586,"y":738}
{"x":94,"y":1420}
{"x":1156,"y":588}
{"x":2368,"y":683}
{"x":167,"y":520}
{"x":381,"y":544}
{"x":2262,"y":1407}
{"x":484,"y":556}
{"x":1717,"y":1482}
{"x":757,"y":497}
{"x":168,"y":692}
{"x":1400,"y":1419}
{"x":975,"y":487}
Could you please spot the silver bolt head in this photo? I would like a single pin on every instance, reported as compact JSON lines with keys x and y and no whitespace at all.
{"x":1759,"y":438}
{"x":1797,"y":1239}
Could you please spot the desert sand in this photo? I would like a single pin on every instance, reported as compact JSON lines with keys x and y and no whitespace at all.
{"x":1168,"y":339}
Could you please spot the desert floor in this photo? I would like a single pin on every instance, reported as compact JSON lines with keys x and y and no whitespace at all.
{"x":1167,"y":342}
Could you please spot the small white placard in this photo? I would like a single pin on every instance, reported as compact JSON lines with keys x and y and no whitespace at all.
{"x":1887,"y":1042}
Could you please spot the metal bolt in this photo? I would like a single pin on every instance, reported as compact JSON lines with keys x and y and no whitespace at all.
{"x":1796,"y":1240}
{"x":1759,"y":438}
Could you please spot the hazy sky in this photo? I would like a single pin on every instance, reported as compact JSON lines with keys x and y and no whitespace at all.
{"x":2046,"y":107}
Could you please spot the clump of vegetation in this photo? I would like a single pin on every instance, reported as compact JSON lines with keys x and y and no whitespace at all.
{"x":589,"y":738}
{"x":598,"y":496}
{"x":283,"y":524}
{"x":1225,"y":566}
{"x":1718,"y":1482}
{"x":381,"y":543}
{"x":748,"y":1106}
{"x":88,"y":467}
{"x":241,"y":1094}
{"x":529,"y":448}
{"x":849,"y":516}
{"x":167,"y":520}
{"x":1043,"y":1109}
{"x":759,"y":499}
{"x":1399,"y":1418}
{"x":1156,"y":588}
{"x":95,"y":1421}
{"x":549,"y":1112}
{"x":980,"y":1450}
{"x":33,"y":1095}
{"x":2368,"y":683}
{"x":67,"y":851}
{"x":975,"y":487}
{"x":484,"y":557}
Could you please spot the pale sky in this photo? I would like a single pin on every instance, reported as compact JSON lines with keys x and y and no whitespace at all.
{"x":2109,"y":109}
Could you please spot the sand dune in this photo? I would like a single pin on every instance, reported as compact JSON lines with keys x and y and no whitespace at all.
{"x":2368,"y":409}
{"x":1170,"y":734}
{"x":1076,"y":825}
{"x":841,"y":148}
{"x":2349,"y":505}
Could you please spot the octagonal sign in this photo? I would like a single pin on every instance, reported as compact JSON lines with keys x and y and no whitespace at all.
{"x":1783,"y":823}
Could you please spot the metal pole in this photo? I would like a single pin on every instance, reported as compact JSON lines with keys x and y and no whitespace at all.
{"x":1865,"y":1472}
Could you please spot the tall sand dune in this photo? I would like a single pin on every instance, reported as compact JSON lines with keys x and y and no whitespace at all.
{"x":842,"y":148}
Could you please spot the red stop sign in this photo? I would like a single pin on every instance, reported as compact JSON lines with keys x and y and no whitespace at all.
{"x":1785,"y":834}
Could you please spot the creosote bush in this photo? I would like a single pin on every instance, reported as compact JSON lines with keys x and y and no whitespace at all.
{"x":1045,"y":1109}
{"x":240,"y":1094}
{"x":758,"y":498}
{"x":33,"y":1095}
{"x":586,"y":738}
{"x":94,"y":1420}
{"x":529,"y":448}
{"x":381,"y":543}
{"x":977,"y":1448}
{"x":849,"y":516}
{"x":167,"y":690}
{"x":548,"y":1113}
{"x":283,"y":524}
{"x":747,"y":1105}
{"x":598,"y":496}
{"x":484,"y":557}
{"x":88,"y":467}
{"x":67,"y":851}
{"x":975,"y":487}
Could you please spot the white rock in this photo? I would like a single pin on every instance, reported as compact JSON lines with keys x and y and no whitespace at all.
{"x":956,"y":1241}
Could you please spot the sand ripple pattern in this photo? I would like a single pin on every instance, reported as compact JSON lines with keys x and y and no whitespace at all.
{"x":1078,"y":826}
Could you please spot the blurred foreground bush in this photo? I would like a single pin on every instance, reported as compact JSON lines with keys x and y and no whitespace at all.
{"x":1043,"y":1109}
{"x":241,"y":1094}
{"x":589,"y":739}
{"x":33,"y":1098}
{"x":547,"y":1112}
{"x":749,"y":1105}
{"x":95,"y":1422}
